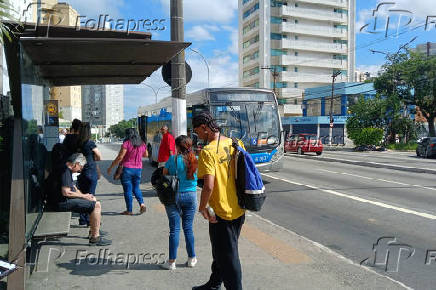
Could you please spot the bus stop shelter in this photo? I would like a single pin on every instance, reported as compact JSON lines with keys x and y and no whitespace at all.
{"x":42,"y":57}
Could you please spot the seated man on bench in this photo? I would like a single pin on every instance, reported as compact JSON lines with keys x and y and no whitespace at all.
{"x":71,"y":199}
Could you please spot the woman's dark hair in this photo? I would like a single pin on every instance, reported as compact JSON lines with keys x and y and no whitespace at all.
{"x":184,"y":146}
{"x":133,"y":136}
{"x":84,"y":134}
{"x":205,"y":118}
{"x":75,"y":125}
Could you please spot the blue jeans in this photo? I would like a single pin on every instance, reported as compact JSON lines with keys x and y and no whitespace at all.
{"x":87,"y":183}
{"x":130,"y":179}
{"x":185,"y":207}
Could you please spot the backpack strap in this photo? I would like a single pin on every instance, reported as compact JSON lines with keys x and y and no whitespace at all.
{"x":235,"y":142}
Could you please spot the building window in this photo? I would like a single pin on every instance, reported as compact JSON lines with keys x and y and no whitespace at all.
{"x":251,"y":72}
{"x":245,"y":2}
{"x":296,"y":53}
{"x":250,"y":11}
{"x":276,"y":20}
{"x":296,"y":85}
{"x":251,"y":41}
{"x":277,"y":52}
{"x":276,"y":3}
{"x":279,"y":68}
{"x":276,"y":36}
{"x":295,"y":69}
{"x":250,"y":26}
{"x":296,"y":21}
{"x":296,"y":5}
{"x":280,"y":85}
{"x":296,"y":37}
{"x":249,"y":57}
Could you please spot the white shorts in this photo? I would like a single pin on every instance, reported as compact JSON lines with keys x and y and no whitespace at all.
{"x":161,"y":164}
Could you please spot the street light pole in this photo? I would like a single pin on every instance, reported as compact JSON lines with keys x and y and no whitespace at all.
{"x":207,"y":65}
{"x":155,"y":91}
{"x":334,"y":76}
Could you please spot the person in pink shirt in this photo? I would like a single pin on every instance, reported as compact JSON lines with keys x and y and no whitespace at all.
{"x":130,"y":157}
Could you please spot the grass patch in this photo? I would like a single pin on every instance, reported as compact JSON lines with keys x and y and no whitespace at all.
{"x":403,"y":146}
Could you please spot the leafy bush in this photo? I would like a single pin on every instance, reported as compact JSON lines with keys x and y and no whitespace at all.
{"x":403,"y":146}
{"x":366,"y":136}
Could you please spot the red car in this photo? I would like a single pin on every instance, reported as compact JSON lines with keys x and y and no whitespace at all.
{"x":302,"y":143}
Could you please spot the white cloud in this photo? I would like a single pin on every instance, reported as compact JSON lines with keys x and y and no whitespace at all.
{"x":94,"y":8}
{"x":373,"y":69}
{"x":234,"y":37}
{"x":199,"y":33}
{"x":221,"y":11}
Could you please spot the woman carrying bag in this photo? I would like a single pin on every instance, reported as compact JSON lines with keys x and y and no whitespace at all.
{"x":130,"y":158}
{"x":185,"y":167}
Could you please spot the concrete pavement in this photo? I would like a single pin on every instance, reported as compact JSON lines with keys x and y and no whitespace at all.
{"x":272,"y":256}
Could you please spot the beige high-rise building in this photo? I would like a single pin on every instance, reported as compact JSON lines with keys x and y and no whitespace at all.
{"x":303,"y":41}
{"x":70,"y":98}
{"x":70,"y":101}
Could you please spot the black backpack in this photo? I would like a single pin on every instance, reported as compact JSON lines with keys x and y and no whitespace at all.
{"x":249,"y":184}
{"x":166,"y":186}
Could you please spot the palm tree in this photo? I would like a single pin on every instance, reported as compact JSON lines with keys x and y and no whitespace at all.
{"x":6,"y":10}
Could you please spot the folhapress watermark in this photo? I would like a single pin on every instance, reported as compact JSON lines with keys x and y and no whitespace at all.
{"x":53,"y":17}
{"x":46,"y":257}
{"x":391,"y":255}
{"x":389,"y":17}
{"x":106,"y":257}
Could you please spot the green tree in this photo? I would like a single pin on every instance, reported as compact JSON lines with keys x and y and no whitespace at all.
{"x":419,"y":72}
{"x":119,"y":129}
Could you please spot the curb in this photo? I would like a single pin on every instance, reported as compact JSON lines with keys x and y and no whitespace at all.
{"x":367,"y":164}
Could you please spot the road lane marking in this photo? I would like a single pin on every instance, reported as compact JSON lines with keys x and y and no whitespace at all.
{"x":274,"y":247}
{"x":355,"y":175}
{"x":384,"y":180}
{"x":363,"y":200}
{"x":394,"y":182}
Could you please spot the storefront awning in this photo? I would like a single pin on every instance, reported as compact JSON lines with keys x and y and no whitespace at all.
{"x":66,"y":57}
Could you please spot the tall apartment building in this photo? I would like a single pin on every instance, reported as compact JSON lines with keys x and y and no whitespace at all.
{"x":304,"y":41}
{"x":70,"y":98}
{"x":103,"y":105}
{"x":428,"y":48}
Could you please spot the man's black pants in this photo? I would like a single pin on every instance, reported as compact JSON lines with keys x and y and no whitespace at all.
{"x":226,"y":266}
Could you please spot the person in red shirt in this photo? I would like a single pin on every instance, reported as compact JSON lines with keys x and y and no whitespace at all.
{"x":167,"y":146}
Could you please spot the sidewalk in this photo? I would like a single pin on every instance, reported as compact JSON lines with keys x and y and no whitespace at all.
{"x":272,"y":257}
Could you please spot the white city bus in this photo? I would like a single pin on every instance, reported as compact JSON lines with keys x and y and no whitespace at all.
{"x":248,"y":114}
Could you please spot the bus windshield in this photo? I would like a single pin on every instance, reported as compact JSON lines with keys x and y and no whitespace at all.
{"x":256,"y":124}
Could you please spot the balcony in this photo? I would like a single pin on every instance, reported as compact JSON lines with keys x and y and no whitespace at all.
{"x":315,"y":14}
{"x":250,"y":79}
{"x":296,"y":77}
{"x":332,"y":3}
{"x":314,"y":30}
{"x":287,"y":93}
{"x":314,"y":46}
{"x":313,"y":62}
{"x":251,"y":63}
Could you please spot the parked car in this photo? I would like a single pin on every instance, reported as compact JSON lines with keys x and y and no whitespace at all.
{"x":302,"y":143}
{"x":426,"y":147}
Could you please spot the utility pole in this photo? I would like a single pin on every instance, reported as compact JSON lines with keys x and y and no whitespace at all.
{"x":275,"y":74}
{"x":178,"y":72}
{"x":335,"y":74}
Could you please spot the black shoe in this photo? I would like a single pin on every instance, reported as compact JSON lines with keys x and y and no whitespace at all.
{"x":99,"y":241}
{"x":102,"y":233}
{"x":207,"y":286}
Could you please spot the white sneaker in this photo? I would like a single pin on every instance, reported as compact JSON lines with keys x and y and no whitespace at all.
{"x":191,"y":262}
{"x":168,"y":266}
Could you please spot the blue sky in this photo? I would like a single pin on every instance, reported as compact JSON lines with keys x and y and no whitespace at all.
{"x":212,"y":26}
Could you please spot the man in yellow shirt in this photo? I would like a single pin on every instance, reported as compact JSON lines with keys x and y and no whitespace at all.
{"x":216,"y":168}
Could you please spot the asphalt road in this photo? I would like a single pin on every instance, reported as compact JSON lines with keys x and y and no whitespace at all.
{"x":348,"y":208}
{"x":407,"y":159}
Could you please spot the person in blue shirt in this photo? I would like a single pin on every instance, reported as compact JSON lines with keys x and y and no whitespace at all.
{"x":186,"y":166}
